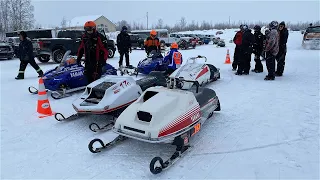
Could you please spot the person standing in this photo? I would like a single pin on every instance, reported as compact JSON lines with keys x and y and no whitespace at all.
{"x":26,"y":56}
{"x":246,"y":51}
{"x":236,"y":57}
{"x":272,"y":49}
{"x":152,"y":43}
{"x":173,"y":59}
{"x":91,"y":45}
{"x":257,"y":49}
{"x":124,"y":46}
{"x":281,"y":56}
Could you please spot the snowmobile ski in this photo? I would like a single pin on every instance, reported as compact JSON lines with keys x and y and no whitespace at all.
{"x":34,"y":90}
{"x":72,"y":117}
{"x":57,"y":94}
{"x":96,"y":128}
{"x":110,"y":144}
{"x":168,"y":163}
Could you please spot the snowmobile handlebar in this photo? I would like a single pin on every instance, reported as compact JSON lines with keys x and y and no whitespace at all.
{"x":198,"y":57}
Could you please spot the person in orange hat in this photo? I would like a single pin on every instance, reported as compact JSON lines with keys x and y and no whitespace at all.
{"x":152,"y":43}
{"x":173,"y":59}
{"x":95,"y":52}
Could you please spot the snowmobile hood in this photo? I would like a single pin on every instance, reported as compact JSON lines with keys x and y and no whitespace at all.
{"x":156,"y":113}
{"x":190,"y":71}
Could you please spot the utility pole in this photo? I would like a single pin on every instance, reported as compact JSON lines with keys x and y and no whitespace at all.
{"x":147,"y":20}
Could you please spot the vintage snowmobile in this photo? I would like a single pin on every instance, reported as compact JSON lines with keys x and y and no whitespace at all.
{"x":68,"y":77}
{"x":191,"y":72}
{"x":111,"y":95}
{"x":163,"y":115}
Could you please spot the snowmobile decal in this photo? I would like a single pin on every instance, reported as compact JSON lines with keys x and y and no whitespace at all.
{"x":181,"y":122}
{"x":76,"y":74}
{"x":205,"y":70}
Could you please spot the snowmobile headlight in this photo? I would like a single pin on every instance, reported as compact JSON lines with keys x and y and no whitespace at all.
{"x":106,"y":108}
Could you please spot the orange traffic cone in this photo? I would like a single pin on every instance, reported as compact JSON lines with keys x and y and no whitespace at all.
{"x":43,"y":101}
{"x":227,"y":61}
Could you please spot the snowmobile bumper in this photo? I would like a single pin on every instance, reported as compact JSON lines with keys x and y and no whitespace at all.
{"x":165,"y":139}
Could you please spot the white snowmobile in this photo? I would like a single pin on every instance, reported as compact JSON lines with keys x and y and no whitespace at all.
{"x":111,"y":95}
{"x":202,"y":73}
{"x":162,"y":115}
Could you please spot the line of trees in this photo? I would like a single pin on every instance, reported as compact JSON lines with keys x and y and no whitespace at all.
{"x":183,"y":25}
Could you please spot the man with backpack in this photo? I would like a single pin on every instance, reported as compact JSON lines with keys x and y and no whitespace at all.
{"x":236,"y":57}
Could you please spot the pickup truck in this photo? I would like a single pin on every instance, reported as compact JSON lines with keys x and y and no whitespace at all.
{"x":66,"y":40}
{"x":137,"y":40}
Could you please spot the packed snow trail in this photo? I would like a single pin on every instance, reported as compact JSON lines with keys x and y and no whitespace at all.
{"x":265,"y":129}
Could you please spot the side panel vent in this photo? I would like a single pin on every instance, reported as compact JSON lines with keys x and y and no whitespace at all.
{"x":133,"y":129}
{"x":144,"y":116}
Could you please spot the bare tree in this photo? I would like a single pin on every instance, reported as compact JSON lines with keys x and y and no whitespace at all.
{"x":5,"y":14}
{"x":122,"y":23}
{"x":183,"y":23}
{"x":63,"y":22}
{"x":160,"y":24}
{"x":21,"y":15}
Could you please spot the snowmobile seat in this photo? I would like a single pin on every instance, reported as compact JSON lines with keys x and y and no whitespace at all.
{"x":99,"y":90}
{"x":204,"y":95}
{"x":153,"y":79}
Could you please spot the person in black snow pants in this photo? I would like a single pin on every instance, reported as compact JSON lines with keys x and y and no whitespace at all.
{"x":91,"y":45}
{"x":258,"y":48}
{"x":124,"y":46}
{"x":272,"y":49}
{"x":246,"y":51}
{"x":281,"y":56}
{"x":26,"y":56}
{"x":237,"y":39}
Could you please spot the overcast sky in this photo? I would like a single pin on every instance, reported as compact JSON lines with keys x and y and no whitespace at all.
{"x":51,"y":12}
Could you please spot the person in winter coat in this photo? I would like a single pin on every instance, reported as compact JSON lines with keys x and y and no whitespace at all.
{"x":152,"y":43}
{"x":246,"y":51}
{"x":173,"y":59}
{"x":272,"y":49}
{"x":258,"y":48}
{"x":236,"y":57}
{"x":95,"y":52}
{"x":26,"y":56}
{"x":124,"y":46}
{"x":281,"y":56}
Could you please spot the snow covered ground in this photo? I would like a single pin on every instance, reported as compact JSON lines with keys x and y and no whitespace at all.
{"x":266,"y":129}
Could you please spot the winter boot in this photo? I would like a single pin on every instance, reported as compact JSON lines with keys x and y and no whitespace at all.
{"x":268,"y":78}
{"x":40,"y":73}
{"x":238,"y":73}
{"x":278,"y":74}
{"x":234,"y":69}
{"x":20,"y":76}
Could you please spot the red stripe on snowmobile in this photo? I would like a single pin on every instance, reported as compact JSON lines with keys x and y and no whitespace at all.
{"x":182,"y":122}
{"x":205,"y":70}
{"x":108,"y":110}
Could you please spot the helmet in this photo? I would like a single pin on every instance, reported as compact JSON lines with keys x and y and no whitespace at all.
{"x":257,"y":28}
{"x":244,"y":27}
{"x":273,"y":25}
{"x":90,"y":25}
{"x":174,"y":45}
{"x":153,"y":33}
{"x":241,"y":26}
{"x":124,"y":28}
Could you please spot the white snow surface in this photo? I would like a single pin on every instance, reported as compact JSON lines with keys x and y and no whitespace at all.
{"x":265,"y":129}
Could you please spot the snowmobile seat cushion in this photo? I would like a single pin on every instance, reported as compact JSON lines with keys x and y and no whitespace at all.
{"x":204,"y":95}
{"x":155,"y":79}
{"x":100,"y":89}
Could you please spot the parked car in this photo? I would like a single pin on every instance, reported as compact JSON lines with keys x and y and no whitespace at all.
{"x":137,"y":40}
{"x":184,"y":44}
{"x":203,"y":38}
{"x":6,"y":51}
{"x":311,"y":38}
{"x":66,"y":40}
{"x":14,"y":43}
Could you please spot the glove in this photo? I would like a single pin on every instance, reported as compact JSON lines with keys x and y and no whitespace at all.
{"x":130,"y":50}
